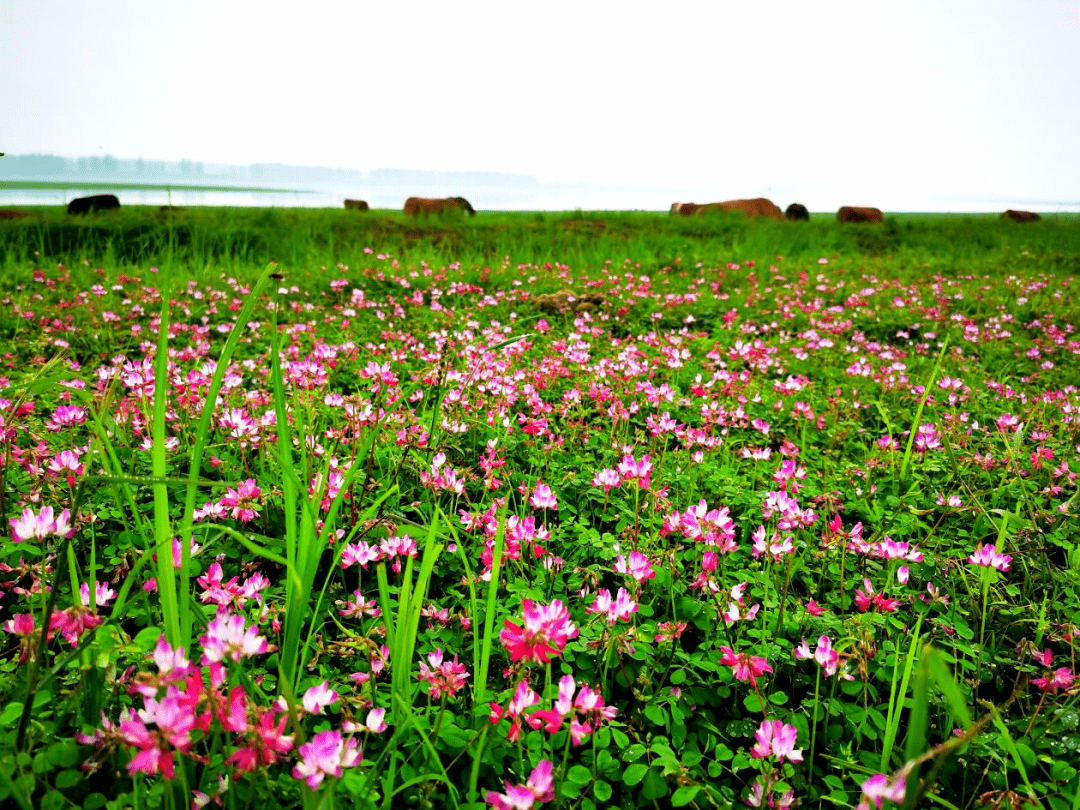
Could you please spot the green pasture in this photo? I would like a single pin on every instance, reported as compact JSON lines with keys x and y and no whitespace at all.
{"x":242,"y":240}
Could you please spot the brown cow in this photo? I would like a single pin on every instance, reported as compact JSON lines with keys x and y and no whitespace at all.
{"x":757,"y":207}
{"x":7,"y":213}
{"x":1021,"y":216}
{"x":359,"y":205}
{"x":685,"y":209}
{"x":414,"y":206}
{"x":849,"y":213}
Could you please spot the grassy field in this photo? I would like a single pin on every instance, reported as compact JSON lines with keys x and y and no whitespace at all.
{"x":319,"y":508}
{"x":307,"y":239}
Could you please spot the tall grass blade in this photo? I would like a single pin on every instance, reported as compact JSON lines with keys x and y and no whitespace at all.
{"x":918,"y":413}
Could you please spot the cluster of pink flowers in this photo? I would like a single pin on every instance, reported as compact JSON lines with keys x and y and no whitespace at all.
{"x":825,"y":654}
{"x":986,"y":555}
{"x":713,"y":527}
{"x":1060,"y":679}
{"x":543,"y":635}
{"x":241,"y":504}
{"x":636,"y":565}
{"x":46,"y":523}
{"x":444,"y":678}
{"x":585,"y":710}
{"x":621,"y":607}
{"x":870,"y":600}
{"x":539,"y":788}
{"x":744,"y":666}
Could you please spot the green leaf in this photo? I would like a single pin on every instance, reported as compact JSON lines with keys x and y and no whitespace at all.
{"x":654,"y":786}
{"x":656,"y":714}
{"x":69,"y":778}
{"x":579,"y":774}
{"x":10,"y":714}
{"x":64,"y":754}
{"x":684,"y":795}
{"x":634,"y":774}
{"x":601,"y":790}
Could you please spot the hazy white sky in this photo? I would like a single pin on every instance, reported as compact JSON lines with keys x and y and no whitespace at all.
{"x":867,"y":102}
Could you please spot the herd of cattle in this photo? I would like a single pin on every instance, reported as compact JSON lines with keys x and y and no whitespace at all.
{"x":415,"y":206}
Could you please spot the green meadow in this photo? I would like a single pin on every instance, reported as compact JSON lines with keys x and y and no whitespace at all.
{"x":323,"y":508}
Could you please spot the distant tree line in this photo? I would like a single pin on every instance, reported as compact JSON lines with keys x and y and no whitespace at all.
{"x":107,"y":167}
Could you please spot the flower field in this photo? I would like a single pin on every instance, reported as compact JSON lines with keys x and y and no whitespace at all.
{"x":746,"y":529}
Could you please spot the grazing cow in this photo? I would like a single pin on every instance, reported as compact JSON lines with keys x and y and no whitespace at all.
{"x":796,"y":212}
{"x":1021,"y":216}
{"x":414,"y":206}
{"x":359,"y":205}
{"x":685,"y":209}
{"x":848,"y":213}
{"x":99,"y":202}
{"x":7,"y":213}
{"x":757,"y":207}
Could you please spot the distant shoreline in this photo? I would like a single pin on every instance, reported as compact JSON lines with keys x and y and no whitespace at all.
{"x":60,"y":185}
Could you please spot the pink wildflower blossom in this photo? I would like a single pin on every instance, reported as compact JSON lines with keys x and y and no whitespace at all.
{"x":776,"y":739}
{"x":538,"y":789}
{"x":326,"y":755}
{"x":987,"y":555}
{"x":745,"y":667}
{"x":544,"y":634}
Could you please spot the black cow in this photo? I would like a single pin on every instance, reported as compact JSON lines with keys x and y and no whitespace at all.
{"x":796,"y":212}
{"x":99,"y":202}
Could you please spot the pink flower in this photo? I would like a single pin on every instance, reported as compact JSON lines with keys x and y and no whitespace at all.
{"x":523,"y":698}
{"x":745,"y":667}
{"x":319,"y":697}
{"x":226,"y":637}
{"x":544,"y":635}
{"x":1061,"y":678}
{"x":987,"y":555}
{"x":538,"y":789}
{"x":103,"y":594}
{"x":608,"y":479}
{"x":543,"y":497}
{"x":619,"y":608}
{"x":636,"y":470}
{"x":776,"y":739}
{"x":637,"y":566}
{"x":879,"y":787}
{"x":326,"y":755}
{"x":375,"y":722}
{"x":29,"y":526}
{"x":443,"y":678}
{"x":242,"y":500}
{"x":824,"y":654}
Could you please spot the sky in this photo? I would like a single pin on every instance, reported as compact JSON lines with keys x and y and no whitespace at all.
{"x":905,"y":105}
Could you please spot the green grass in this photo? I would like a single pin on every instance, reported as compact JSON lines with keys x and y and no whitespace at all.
{"x":303,"y":240}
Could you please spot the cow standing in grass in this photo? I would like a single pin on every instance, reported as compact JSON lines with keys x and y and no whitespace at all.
{"x":98,"y":202}
{"x":1021,"y":216}
{"x":757,"y":207}
{"x":684,"y":209}
{"x":796,"y":212}
{"x":357,"y":205}
{"x":414,"y":206}
{"x":850,"y":213}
